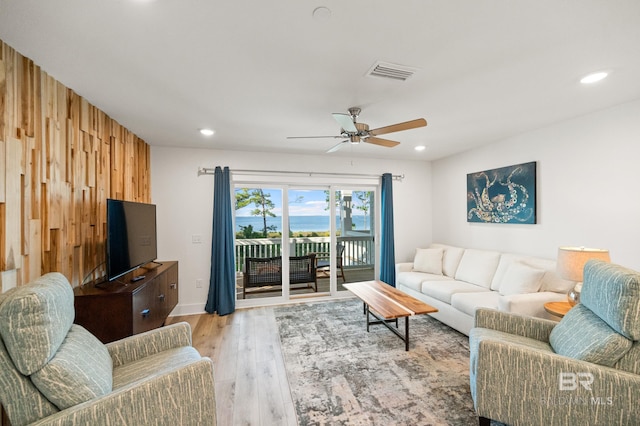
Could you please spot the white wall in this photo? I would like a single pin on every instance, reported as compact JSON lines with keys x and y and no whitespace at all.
{"x":185,"y":204}
{"x":588,"y":188}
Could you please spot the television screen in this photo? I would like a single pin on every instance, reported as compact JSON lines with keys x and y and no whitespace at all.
{"x":131,"y":236}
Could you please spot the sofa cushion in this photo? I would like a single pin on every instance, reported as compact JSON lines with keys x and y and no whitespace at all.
{"x":80,"y":370}
{"x":41,"y":314}
{"x":443,"y":290}
{"x":469,"y":302}
{"x":478,"y":267}
{"x":582,"y":335}
{"x":450,"y":258}
{"x":414,"y":280}
{"x":613,"y":293}
{"x":428,"y":260}
{"x":520,"y":278}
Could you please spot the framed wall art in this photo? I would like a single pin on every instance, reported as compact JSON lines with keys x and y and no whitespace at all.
{"x":504,"y":195}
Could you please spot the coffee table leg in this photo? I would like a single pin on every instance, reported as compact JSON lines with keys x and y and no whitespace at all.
{"x":366,"y":309}
{"x":406,"y":333}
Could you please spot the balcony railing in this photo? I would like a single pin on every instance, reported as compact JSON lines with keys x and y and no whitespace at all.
{"x":358,"y":251}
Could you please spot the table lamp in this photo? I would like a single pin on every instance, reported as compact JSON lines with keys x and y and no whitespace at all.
{"x":570,"y":266}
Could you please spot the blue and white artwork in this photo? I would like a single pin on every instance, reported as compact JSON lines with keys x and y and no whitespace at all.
{"x":504,"y":195}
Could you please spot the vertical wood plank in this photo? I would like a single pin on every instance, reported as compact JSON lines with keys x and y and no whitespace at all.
{"x":12,"y":224}
{"x":35,"y":255}
{"x":3,"y":92}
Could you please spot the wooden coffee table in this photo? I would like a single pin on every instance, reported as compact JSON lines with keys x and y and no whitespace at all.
{"x":387,"y":304}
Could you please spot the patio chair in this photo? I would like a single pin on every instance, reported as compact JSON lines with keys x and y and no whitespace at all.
{"x":323,"y":262}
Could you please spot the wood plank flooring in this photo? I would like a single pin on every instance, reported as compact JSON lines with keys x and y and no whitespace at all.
{"x":251,"y":381}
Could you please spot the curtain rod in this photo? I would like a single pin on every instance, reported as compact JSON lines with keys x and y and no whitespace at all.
{"x":210,"y":171}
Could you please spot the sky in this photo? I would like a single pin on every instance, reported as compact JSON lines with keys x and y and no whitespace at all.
{"x":309,"y":202}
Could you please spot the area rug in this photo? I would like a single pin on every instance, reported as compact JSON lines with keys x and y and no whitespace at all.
{"x":341,"y":375}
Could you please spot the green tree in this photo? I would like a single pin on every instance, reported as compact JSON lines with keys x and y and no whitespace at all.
{"x":364,"y":205}
{"x":263,"y":206}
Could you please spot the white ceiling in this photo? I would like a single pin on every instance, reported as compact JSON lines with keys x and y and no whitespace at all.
{"x":258,"y":71}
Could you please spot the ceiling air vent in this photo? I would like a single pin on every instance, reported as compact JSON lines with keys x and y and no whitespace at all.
{"x":392,"y":71}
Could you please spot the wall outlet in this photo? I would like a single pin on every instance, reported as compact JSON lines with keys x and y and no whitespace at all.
{"x":196,"y":239}
{"x":199,"y":283}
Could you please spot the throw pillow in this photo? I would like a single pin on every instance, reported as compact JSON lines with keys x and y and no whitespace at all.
{"x":428,"y":260}
{"x":520,"y":279}
{"x":478,"y":267}
{"x":582,"y":335}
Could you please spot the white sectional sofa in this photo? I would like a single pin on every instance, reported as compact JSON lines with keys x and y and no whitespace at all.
{"x":457,"y":281}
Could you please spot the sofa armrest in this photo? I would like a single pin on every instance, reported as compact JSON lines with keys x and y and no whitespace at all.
{"x":512,"y":323}
{"x":404,"y":267}
{"x":530,"y":303}
{"x":184,"y":396}
{"x":148,"y":343}
{"x":516,"y":384}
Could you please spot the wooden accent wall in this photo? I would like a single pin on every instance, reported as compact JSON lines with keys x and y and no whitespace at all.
{"x":60,"y":159}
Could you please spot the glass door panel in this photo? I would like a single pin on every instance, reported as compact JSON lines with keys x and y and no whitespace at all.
{"x":258,"y":231}
{"x":309,"y":233}
{"x":355,"y":230}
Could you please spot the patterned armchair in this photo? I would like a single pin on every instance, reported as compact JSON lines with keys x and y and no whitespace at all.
{"x":584,"y":370}
{"x":54,"y":372}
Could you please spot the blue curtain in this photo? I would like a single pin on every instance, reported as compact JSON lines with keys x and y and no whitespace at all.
{"x":222,"y":284}
{"x":387,"y":250}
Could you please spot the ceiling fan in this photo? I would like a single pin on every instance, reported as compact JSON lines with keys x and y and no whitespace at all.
{"x":353,"y":132}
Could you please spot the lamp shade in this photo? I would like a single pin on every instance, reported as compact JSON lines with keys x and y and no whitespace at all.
{"x":571,"y":261}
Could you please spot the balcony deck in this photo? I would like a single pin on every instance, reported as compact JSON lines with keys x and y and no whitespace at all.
{"x":358,"y":261}
{"x":351,"y":275}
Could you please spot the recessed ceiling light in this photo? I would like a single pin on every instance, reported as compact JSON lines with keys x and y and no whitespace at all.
{"x":593,"y":77}
{"x":207,"y":132}
{"x":420,"y":148}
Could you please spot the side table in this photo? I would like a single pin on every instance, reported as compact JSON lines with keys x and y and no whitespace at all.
{"x":558,"y":308}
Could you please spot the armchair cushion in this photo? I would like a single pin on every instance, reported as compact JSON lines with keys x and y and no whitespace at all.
{"x":583,"y":335}
{"x":79,"y":371}
{"x":159,"y":363}
{"x":41,"y":315}
{"x":613,"y":293}
{"x":31,"y":405}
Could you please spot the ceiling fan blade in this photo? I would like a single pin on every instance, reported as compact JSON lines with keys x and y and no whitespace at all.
{"x":345,"y":121}
{"x":336,"y":147}
{"x":420,"y":122}
{"x":381,"y":142}
{"x":315,"y":137}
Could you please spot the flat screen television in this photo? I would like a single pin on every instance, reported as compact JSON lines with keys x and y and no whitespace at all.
{"x":131,"y":236}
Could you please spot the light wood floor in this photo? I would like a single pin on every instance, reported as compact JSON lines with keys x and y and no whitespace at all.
{"x":251,"y":382}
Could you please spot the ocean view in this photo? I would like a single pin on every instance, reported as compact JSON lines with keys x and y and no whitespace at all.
{"x":298,"y":223}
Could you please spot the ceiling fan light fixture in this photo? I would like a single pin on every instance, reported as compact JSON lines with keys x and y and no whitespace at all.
{"x":420,"y":148}
{"x":594,"y":77}
{"x":207,"y":132}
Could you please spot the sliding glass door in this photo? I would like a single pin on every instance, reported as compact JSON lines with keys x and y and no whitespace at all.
{"x":258,"y":231}
{"x":354,"y":212}
{"x":309,"y":238}
{"x":296,"y":241}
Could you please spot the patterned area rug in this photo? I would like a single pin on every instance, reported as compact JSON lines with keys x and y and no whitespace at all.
{"x":342,"y":375}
